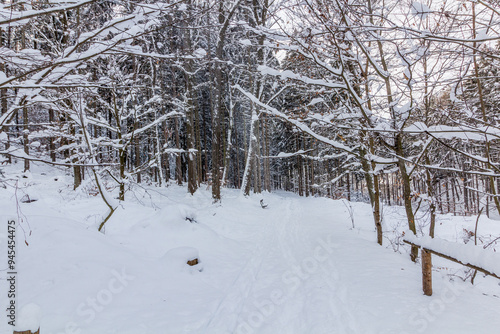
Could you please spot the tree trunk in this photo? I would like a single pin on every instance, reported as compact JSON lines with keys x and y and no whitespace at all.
{"x":25,"y":137}
{"x":137,"y":153}
{"x":267,"y":167}
{"x":496,"y":200}
{"x":178,"y":158}
{"x":3,"y":98}
{"x":190,"y":116}
{"x":300,"y":169}
{"x":250,"y":161}
{"x":432,"y":199}
{"x":122,"y":153}
{"x":372,"y":185}
{"x":405,"y":177}
{"x":257,"y":170}
{"x":52,"y":146}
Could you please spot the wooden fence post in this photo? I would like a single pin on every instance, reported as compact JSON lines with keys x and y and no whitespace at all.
{"x":426,"y":272}
{"x":427,"y":265}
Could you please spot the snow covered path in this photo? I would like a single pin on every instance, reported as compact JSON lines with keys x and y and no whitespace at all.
{"x":288,"y":282}
{"x":294,"y":267}
{"x":310,"y":274}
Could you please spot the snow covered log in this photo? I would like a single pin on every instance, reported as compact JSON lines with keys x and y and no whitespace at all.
{"x":27,"y":332}
{"x":28,"y":321}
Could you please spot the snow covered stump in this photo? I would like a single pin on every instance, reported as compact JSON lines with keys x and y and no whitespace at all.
{"x":181,"y":258}
{"x":28,"y":320}
{"x":27,"y":332}
{"x":193,"y":262}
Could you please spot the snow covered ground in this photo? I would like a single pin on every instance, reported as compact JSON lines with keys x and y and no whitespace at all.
{"x":297,"y":266}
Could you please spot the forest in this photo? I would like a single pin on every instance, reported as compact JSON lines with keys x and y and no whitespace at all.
{"x":386,"y":102}
{"x":249,"y":166}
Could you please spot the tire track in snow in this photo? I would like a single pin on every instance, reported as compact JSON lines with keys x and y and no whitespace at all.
{"x":252,"y":279}
{"x":286,"y":231}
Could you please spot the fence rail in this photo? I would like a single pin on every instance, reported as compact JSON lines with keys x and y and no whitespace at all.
{"x":427,"y":264}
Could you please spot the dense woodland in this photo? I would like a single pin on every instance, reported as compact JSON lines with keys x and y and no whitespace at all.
{"x":389,"y":102}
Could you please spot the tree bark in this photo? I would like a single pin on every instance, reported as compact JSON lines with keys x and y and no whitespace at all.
{"x":52,"y":146}
{"x":3,"y":97}
{"x":25,"y":136}
{"x":190,"y":122}
{"x":178,"y":158}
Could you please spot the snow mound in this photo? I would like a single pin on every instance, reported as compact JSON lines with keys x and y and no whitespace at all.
{"x":179,"y":213}
{"x":178,"y":258}
{"x":187,"y":213}
{"x":28,"y":318}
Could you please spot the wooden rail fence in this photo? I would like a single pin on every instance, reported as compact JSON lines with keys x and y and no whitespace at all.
{"x":427,"y":265}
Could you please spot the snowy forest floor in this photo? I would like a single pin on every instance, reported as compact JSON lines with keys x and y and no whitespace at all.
{"x":297,"y":266}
